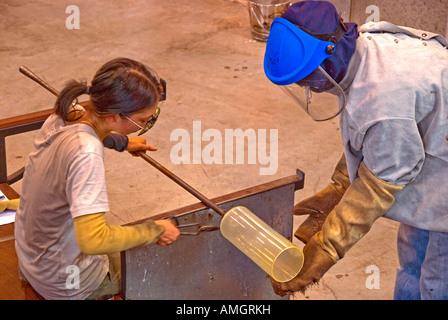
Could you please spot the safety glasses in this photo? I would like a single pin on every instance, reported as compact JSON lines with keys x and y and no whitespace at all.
{"x":151,"y":122}
{"x":148,"y":125}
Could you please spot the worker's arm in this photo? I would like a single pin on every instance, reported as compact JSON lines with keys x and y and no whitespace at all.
{"x":95,"y":236}
{"x":364,"y":201}
{"x":318,"y":206}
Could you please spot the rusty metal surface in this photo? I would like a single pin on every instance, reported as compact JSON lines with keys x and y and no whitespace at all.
{"x":208,"y":266}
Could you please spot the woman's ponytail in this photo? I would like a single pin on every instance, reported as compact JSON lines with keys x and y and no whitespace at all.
{"x":68,"y":97}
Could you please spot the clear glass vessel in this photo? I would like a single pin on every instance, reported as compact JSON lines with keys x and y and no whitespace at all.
{"x":275,"y":254}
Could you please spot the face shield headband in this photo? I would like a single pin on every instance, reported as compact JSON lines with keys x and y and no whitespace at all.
{"x":293,"y":60}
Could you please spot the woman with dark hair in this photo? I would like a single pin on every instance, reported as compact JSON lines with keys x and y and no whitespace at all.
{"x":66,"y":250}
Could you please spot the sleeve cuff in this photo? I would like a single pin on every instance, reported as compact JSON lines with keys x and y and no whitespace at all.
{"x":116,"y":141}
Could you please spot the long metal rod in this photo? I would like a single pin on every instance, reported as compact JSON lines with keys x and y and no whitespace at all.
{"x":182,"y":183}
{"x":30,"y":74}
{"x":27,"y":72}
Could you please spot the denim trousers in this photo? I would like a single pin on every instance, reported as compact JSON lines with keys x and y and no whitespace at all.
{"x":423,"y":257}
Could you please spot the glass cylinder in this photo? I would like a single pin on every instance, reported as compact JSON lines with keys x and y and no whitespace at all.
{"x":275,"y":254}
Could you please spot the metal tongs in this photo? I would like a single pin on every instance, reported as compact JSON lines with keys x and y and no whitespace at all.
{"x":197,"y":227}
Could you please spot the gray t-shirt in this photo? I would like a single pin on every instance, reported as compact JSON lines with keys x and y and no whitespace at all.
{"x":64,"y":179}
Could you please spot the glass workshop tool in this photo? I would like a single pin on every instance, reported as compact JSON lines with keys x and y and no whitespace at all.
{"x":195,"y":228}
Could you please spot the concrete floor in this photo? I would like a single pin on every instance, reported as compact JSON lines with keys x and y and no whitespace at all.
{"x":214,"y":71}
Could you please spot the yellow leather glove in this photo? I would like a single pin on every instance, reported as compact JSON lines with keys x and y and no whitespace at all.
{"x":94,"y":236}
{"x":9,"y":204}
{"x":316,"y":263}
{"x":364,"y":201}
{"x":320,"y":205}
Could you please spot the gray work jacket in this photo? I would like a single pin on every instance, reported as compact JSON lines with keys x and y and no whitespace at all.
{"x":396,"y":118}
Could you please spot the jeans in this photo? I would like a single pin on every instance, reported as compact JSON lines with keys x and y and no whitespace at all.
{"x":423,"y":257}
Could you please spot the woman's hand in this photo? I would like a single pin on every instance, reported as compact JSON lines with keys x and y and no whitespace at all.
{"x":139,"y":144}
{"x":171,"y":233}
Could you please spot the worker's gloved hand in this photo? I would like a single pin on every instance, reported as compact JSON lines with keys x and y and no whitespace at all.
{"x":9,"y":204}
{"x":364,"y":201}
{"x":320,"y":205}
{"x":316,"y":263}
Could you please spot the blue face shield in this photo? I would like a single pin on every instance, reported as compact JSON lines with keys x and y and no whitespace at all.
{"x":295,"y":60}
{"x":292,"y":54}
